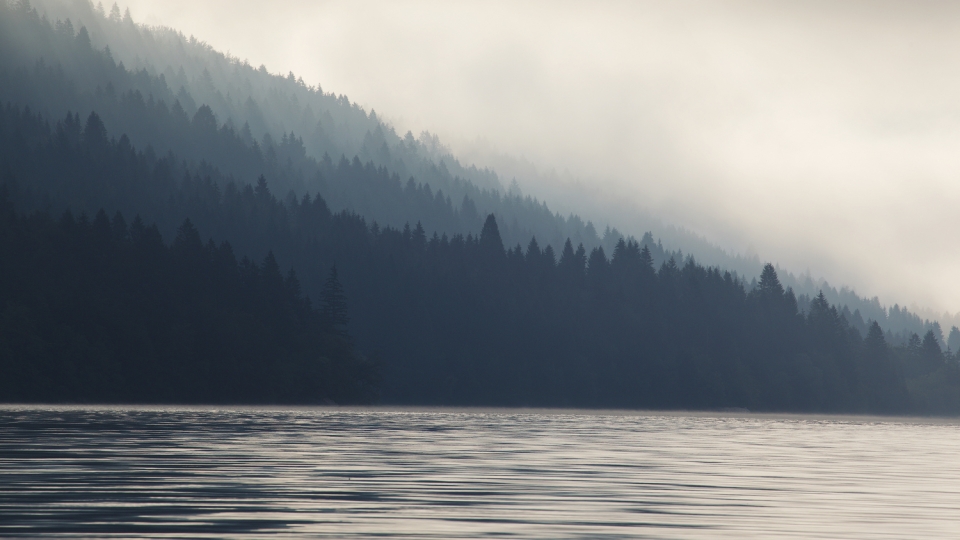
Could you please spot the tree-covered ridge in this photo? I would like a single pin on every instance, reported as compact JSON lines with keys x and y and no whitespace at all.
{"x":53,"y":68}
{"x":54,"y":65}
{"x":54,"y":155}
{"x":103,"y":311}
{"x":243,"y":94}
{"x":466,"y":319}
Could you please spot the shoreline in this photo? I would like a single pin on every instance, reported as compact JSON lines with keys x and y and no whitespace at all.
{"x":499,"y":411}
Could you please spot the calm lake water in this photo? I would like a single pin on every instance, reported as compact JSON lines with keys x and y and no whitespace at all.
{"x":317,"y":473}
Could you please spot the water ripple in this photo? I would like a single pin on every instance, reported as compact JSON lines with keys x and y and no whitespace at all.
{"x":249,"y":473}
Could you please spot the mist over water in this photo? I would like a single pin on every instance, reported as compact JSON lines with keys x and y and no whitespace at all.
{"x":818,"y":135}
{"x":251,"y":472}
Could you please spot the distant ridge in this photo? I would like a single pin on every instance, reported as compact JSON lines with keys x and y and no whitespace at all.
{"x":441,"y":296}
{"x":300,"y":123}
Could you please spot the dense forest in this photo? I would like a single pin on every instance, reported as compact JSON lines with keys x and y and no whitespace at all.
{"x":53,"y":67}
{"x":102,"y":311}
{"x":459,"y":319}
{"x":148,"y":83}
{"x":482,"y":299}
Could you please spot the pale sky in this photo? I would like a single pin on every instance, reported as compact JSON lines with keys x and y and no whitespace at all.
{"x":822,"y":135}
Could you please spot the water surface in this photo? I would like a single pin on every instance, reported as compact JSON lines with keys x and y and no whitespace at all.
{"x":251,"y":473}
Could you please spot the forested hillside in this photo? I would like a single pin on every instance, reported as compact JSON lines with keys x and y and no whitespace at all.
{"x":72,"y":55}
{"x":287,"y":119}
{"x":466,"y":295}
{"x":463,"y":319}
{"x":54,"y":67}
{"x":99,"y":311}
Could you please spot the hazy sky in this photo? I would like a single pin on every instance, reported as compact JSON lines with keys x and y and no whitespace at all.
{"x":822,"y":135}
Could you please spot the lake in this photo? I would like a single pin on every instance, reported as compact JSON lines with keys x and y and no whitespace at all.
{"x":325,"y":472}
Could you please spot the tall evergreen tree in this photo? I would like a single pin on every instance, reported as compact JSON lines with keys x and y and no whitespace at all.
{"x":770,"y":284}
{"x":931,"y":356}
{"x":333,"y":303}
{"x":490,"y":241}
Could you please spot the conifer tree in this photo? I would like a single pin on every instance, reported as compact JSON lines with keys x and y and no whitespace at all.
{"x":490,"y":241}
{"x":930,"y":353}
{"x":333,"y":303}
{"x":770,"y":284}
{"x":646,"y":259}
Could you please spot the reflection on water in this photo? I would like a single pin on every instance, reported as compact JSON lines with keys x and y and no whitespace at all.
{"x":129,"y":472}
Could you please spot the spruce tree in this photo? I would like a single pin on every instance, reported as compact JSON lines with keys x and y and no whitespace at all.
{"x":490,"y":241}
{"x":333,"y":303}
{"x":770,"y":284}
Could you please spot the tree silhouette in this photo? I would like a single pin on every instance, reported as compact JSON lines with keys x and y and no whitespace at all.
{"x":490,"y":241}
{"x":931,"y":356}
{"x":333,"y":303}
{"x":770,"y":284}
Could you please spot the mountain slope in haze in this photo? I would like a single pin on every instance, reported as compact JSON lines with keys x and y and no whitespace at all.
{"x":268,"y":104}
{"x":458,"y":318}
{"x":168,"y":78}
{"x":43,"y":59}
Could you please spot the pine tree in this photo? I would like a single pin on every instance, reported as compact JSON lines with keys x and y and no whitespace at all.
{"x":930,"y":353}
{"x":953,"y":340}
{"x":567,"y":257}
{"x":333,"y":303}
{"x":490,"y":242}
{"x":770,"y":283}
{"x":875,"y":346}
{"x":262,"y":190}
{"x":646,"y":259}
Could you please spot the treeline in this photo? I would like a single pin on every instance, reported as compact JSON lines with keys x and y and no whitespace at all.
{"x":464,"y":319}
{"x":57,"y":157}
{"x":172,"y":93}
{"x":53,"y":67}
{"x":245,"y":94}
{"x":898,"y":322}
{"x":102,"y":311}
{"x":604,"y":321}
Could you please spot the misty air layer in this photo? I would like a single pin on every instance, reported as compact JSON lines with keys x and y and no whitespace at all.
{"x":187,"y":228}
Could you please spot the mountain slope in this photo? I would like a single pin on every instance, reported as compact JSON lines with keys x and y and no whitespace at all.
{"x":456,"y":320}
{"x":301,"y":135}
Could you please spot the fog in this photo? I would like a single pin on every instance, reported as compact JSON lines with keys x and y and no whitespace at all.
{"x":821,"y":135}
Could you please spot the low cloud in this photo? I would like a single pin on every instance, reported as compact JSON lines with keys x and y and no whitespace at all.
{"x":823,"y":134}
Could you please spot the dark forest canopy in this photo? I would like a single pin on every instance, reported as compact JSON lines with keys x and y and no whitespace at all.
{"x":458,"y":319}
{"x":102,"y":311}
{"x":53,"y":67}
{"x":462,"y":306}
{"x":178,"y":94}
